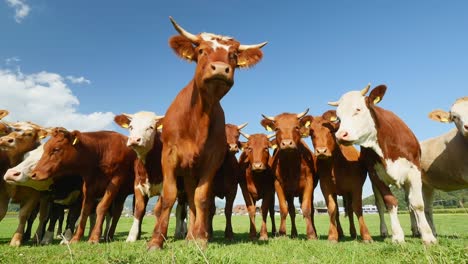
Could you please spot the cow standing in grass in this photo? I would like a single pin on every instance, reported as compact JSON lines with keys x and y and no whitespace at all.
{"x":340,"y":172}
{"x":194,"y":139}
{"x":145,"y":140}
{"x":389,"y":149}
{"x":257,"y":181}
{"x":293,"y":167}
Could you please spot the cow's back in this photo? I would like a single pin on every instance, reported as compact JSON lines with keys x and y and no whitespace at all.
{"x":444,"y":161}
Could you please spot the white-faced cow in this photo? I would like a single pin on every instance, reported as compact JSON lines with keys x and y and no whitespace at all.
{"x":444,"y":159}
{"x":390,"y":150}
{"x":194,"y":139}
{"x":144,"y":139}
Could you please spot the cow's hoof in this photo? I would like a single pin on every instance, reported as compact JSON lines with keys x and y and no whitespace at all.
{"x":263,"y":238}
{"x":367,"y":241}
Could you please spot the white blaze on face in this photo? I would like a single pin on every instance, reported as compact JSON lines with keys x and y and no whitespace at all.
{"x":142,"y":130}
{"x":19,"y":174}
{"x":214,"y":42}
{"x":356,"y":123}
{"x":459,"y":115}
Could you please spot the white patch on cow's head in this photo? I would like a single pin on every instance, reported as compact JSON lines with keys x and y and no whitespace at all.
{"x":356,"y":123}
{"x":20,"y":174}
{"x":213,"y":38}
{"x":142,"y":130}
{"x":459,"y":115}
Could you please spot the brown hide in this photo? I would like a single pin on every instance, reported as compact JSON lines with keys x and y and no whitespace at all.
{"x":104,"y":162}
{"x":293,"y":166}
{"x":339,"y":170}
{"x":194,"y":138}
{"x":257,"y":181}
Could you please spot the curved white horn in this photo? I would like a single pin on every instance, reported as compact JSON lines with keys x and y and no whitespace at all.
{"x":365,"y":90}
{"x":268,"y":117}
{"x":158,"y":117}
{"x":333,"y":103}
{"x":184,"y":32}
{"x":255,"y":46}
{"x":245,"y":134}
{"x":301,"y":115}
{"x":239,"y":127}
{"x":270,"y":136}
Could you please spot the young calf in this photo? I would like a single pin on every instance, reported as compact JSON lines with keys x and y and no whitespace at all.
{"x":339,"y":170}
{"x":257,"y":181}
{"x":145,"y":140}
{"x":390,"y":150}
{"x":293,"y":167}
{"x":444,"y":161}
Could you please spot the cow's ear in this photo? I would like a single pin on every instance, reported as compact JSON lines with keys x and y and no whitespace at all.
{"x":183,"y":47}
{"x":75,"y":137}
{"x":273,"y":144}
{"x":122,"y":120}
{"x":440,"y":115}
{"x":268,"y":124}
{"x":304,"y":125}
{"x":377,"y":94}
{"x":42,"y":133}
{"x":249,"y":57}
{"x":332,"y":119}
{"x":159,"y":123}
{"x":3,"y":113}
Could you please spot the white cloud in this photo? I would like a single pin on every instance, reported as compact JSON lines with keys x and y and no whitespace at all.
{"x":21,"y":9}
{"x":44,"y":98}
{"x":78,"y":80}
{"x":12,"y":60}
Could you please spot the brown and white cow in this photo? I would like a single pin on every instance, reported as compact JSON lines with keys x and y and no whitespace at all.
{"x":193,"y":137}
{"x":227,"y":178}
{"x":144,"y":139}
{"x":104,"y":162}
{"x":340,"y":172}
{"x":12,"y":149}
{"x":444,"y":161}
{"x":4,"y":126}
{"x":293,"y":166}
{"x":390,"y":150}
{"x":257,"y":181}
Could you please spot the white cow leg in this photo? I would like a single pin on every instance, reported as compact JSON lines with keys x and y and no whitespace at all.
{"x":428,"y":196}
{"x":133,"y":234}
{"x":414,"y":224}
{"x":397,"y":232}
{"x":417,"y":205}
{"x":48,"y":238}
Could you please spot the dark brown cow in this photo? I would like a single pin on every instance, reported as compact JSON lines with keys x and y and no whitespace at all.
{"x":226,"y":179}
{"x":257,"y":181}
{"x":293,"y":166}
{"x":389,"y":148}
{"x":104,"y":162}
{"x":339,"y":170}
{"x":193,"y":137}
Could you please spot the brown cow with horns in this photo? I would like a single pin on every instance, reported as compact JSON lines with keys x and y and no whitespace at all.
{"x":194,"y":140}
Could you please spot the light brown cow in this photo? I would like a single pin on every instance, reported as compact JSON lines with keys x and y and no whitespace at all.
{"x":257,"y":181}
{"x":390,"y":150}
{"x":340,"y":172}
{"x":12,"y":149}
{"x":227,"y":178}
{"x":193,"y":137}
{"x":104,"y":162}
{"x":444,"y":161}
{"x":4,"y":126}
{"x":293,"y":166}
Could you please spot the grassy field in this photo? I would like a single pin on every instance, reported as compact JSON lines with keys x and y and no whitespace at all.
{"x":452,"y":246}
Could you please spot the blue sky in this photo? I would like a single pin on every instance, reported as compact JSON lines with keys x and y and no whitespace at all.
{"x":316,"y":51}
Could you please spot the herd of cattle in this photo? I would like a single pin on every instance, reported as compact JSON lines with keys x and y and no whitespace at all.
{"x":189,"y":155}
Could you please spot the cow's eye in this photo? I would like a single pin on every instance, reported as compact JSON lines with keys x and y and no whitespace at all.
{"x":233,"y":56}
{"x":55,"y":150}
{"x":151,"y":128}
{"x":130,"y":127}
{"x":200,"y":51}
{"x":266,"y":149}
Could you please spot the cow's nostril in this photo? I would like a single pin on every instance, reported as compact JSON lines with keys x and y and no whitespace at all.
{"x":213,"y":67}
{"x":11,"y":140}
{"x":33,"y":176}
{"x":17,"y":174}
{"x":138,"y":140}
{"x":466,"y":127}
{"x":227,"y":70}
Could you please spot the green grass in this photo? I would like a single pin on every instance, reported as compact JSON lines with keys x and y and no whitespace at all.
{"x":452,"y":246}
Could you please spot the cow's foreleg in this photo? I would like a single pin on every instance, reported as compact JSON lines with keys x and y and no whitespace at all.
{"x":228,"y":233}
{"x":332,"y":209}
{"x":26,"y":207}
{"x":139,"y":211}
{"x":417,"y":205}
{"x":272,"y":212}
{"x":428,"y":197}
{"x":265,"y":207}
{"x":292,"y":215}
{"x":203,"y":197}
{"x":283,"y":204}
{"x":86,"y":209}
{"x":379,"y":203}
{"x":348,"y":205}
{"x":306,"y":206}
{"x":357,"y":208}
